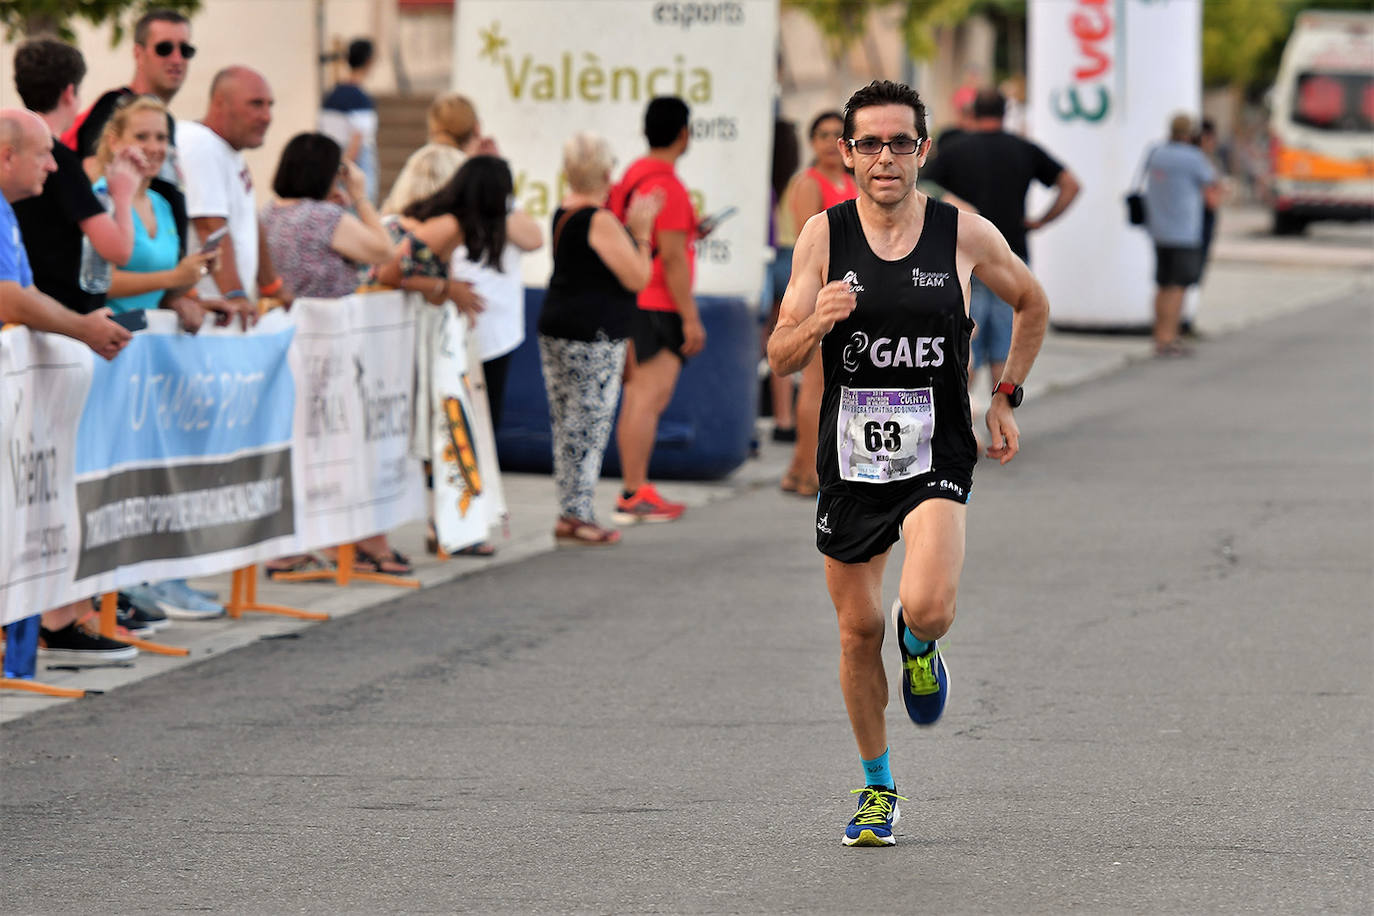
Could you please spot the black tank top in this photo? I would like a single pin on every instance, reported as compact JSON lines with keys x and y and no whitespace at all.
{"x":584,"y":301}
{"x":895,"y":413}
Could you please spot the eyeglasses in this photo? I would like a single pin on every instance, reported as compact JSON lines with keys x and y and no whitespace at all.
{"x":165,"y":49}
{"x":872,"y":146}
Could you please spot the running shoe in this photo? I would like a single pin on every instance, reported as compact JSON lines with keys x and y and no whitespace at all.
{"x":144,"y":612}
{"x":646,"y":506}
{"x":878,"y":813}
{"x":76,"y":646}
{"x":178,"y":601}
{"x":925,"y":681}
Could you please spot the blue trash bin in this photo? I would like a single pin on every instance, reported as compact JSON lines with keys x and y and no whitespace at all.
{"x":703,"y":435}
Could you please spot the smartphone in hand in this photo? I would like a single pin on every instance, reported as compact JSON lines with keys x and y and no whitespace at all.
{"x":709,"y":224}
{"x":212,"y":241}
{"x":136,"y":320}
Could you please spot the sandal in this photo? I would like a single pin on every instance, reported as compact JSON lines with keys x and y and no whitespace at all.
{"x":576,"y":533}
{"x":304,"y":563}
{"x":480,"y":549}
{"x":372,"y":563}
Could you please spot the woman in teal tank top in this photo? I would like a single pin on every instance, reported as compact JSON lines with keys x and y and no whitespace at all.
{"x":156,"y":264}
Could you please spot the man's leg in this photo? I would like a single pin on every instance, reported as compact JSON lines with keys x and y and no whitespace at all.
{"x":1168,"y":308}
{"x":934,"y":535}
{"x":648,"y":389}
{"x":856,"y":590}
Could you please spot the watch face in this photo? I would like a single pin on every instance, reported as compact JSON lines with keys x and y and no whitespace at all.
{"x":1016,"y":395}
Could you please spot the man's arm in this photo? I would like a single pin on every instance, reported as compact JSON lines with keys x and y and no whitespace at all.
{"x":39,"y":312}
{"x":1068,"y":187}
{"x":677,"y":276}
{"x":986,"y":252}
{"x":810,"y":307}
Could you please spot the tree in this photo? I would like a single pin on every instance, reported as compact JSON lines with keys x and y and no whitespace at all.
{"x":842,"y":21}
{"x":55,"y":17}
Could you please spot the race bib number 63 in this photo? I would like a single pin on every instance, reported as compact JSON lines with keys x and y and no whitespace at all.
{"x":884,"y":433}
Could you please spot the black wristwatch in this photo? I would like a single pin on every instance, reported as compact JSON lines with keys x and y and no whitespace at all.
{"x":1014,"y":393}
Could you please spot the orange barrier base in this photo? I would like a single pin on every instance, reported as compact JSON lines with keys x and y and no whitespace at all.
{"x":343,"y":573}
{"x":109,"y":604}
{"x":47,"y":690}
{"x":243,"y":596}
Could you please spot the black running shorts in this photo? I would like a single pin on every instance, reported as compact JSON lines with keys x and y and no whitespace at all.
{"x":1177,"y":266}
{"x":654,"y":331}
{"x":855,"y":531}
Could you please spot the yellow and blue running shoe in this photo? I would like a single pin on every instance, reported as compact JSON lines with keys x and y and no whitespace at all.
{"x":877,"y":815}
{"x":925,"y":681}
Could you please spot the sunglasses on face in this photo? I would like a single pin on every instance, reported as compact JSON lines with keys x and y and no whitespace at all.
{"x":165,"y":49}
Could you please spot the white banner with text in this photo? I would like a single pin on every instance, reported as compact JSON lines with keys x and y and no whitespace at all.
{"x":539,"y":71}
{"x":190,"y":455}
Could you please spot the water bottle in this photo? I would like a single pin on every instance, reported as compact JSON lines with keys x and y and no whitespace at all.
{"x":95,"y":270}
{"x":21,"y":647}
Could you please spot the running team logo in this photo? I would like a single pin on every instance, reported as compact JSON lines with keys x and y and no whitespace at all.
{"x":927,"y":277}
{"x":852,"y":279}
{"x":823,"y":524}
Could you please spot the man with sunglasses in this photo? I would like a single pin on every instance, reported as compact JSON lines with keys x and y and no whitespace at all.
{"x":162,"y":57}
{"x":880,"y":287}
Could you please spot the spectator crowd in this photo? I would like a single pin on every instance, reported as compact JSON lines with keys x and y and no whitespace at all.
{"x":115,"y":208}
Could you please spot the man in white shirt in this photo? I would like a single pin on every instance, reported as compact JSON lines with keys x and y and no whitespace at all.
{"x":219,"y":188}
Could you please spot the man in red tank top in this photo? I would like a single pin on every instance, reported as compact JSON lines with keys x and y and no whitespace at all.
{"x":668,"y":328}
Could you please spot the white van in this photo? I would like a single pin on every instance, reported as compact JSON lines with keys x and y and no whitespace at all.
{"x":1321,"y":122}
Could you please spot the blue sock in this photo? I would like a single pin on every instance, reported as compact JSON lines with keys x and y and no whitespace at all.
{"x":877,"y":772}
{"x":913,"y":645}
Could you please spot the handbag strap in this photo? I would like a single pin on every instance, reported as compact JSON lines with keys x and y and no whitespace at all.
{"x":1144,"y":167}
{"x":558,"y":229}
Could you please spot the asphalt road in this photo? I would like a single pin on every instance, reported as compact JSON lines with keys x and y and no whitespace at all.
{"x":1161,"y":701}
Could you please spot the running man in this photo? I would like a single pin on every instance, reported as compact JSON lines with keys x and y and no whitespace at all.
{"x":880,"y":285}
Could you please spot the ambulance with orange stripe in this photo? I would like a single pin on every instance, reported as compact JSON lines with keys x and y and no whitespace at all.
{"x":1321,"y":122}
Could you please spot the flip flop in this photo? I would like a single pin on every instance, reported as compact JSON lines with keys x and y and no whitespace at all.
{"x":480,"y":549}
{"x":303,"y":563}
{"x":367,"y":562}
{"x":574,"y":532}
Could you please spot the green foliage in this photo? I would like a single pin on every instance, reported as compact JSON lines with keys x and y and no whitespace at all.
{"x":1242,"y":40}
{"x":35,"y":17}
{"x":842,"y":21}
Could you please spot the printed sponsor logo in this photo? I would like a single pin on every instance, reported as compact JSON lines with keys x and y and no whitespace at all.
{"x":852,"y":279}
{"x":947,"y":485}
{"x":823,"y":524}
{"x":927,"y":278}
{"x":885,"y":352}
{"x":685,"y":15}
{"x":1088,"y":98}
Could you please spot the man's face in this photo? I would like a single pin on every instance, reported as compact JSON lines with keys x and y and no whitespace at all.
{"x":885,"y":177}
{"x":163,"y":74}
{"x":25,"y":166}
{"x":247,"y":111}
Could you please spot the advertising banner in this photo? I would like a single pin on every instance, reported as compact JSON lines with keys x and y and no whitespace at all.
{"x":468,"y":498}
{"x":191,"y":455}
{"x":355,"y":362}
{"x":183,"y":453}
{"x":1105,"y":77}
{"x":44,"y":379}
{"x":539,"y":71}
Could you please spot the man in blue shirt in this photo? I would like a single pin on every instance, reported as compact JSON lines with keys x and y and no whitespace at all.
{"x":349,"y":116}
{"x":26,"y":160}
{"x":1179,"y":181}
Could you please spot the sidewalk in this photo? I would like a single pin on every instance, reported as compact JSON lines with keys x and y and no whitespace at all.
{"x":1247,"y":282}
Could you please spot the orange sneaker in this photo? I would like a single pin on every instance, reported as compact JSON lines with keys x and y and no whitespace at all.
{"x":646,"y":506}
